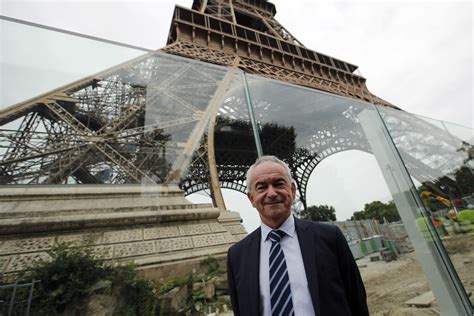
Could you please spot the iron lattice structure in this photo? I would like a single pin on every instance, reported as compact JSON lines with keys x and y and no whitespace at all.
{"x":146,"y":120}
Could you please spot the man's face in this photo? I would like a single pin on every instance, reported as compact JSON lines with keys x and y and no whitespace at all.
{"x":271,"y":193}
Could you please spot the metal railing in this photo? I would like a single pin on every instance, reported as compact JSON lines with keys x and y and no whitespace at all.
{"x":15,"y":298}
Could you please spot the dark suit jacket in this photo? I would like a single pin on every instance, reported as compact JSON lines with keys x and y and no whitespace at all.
{"x":334,"y":280}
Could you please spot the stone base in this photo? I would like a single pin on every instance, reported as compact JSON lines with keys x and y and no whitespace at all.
{"x":153,"y":226}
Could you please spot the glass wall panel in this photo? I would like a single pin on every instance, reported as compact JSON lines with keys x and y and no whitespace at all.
{"x":35,"y":60}
{"x":103,"y":114}
{"x":230,"y":147}
{"x":141,"y":121}
{"x":459,"y":132}
{"x":84,"y":158}
{"x":430,"y":121}
{"x":182,"y":98}
{"x":303,"y":126}
{"x":234,"y":139}
{"x":309,"y":129}
{"x":440,"y":161}
{"x":234,"y":152}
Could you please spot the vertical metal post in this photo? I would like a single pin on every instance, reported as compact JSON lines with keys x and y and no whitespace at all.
{"x":12,"y":300}
{"x":252,"y":117}
{"x":30,"y":297}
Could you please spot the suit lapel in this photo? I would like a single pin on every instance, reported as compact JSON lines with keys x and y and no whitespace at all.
{"x":308,"y":251}
{"x":253,"y":255}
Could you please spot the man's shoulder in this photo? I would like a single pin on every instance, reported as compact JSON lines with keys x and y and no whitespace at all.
{"x":315,"y":226}
{"x":322,"y":232}
{"x":326,"y":236}
{"x":250,"y":238}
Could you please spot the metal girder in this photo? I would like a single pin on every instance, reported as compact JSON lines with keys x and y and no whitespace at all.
{"x":105,"y":119}
{"x":204,"y":35}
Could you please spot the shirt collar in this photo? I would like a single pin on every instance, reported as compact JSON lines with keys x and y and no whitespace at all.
{"x":288,"y":227}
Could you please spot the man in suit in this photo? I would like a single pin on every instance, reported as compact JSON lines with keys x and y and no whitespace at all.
{"x":289,"y":266}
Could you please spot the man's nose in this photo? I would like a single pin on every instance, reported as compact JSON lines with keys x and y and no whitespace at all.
{"x":271,"y":192}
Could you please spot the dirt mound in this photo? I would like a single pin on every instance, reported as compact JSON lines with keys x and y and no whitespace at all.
{"x":390,"y":284}
{"x":458,"y":244}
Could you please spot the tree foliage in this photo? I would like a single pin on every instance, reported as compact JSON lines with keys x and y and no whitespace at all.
{"x":378,"y":210}
{"x":465,"y":180}
{"x":319,"y":213}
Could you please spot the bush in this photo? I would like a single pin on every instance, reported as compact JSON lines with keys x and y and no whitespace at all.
{"x":466,"y":216}
{"x":73,"y":271}
{"x":213,"y":266}
{"x":140,"y":293}
{"x":168,"y":285}
{"x":68,"y":277}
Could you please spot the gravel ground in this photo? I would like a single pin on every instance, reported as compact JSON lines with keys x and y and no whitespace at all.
{"x":390,"y":284}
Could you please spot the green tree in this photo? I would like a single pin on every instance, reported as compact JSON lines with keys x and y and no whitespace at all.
{"x":320,"y":213}
{"x":378,"y":210}
{"x":465,"y":179}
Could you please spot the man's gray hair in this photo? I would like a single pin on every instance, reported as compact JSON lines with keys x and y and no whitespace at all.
{"x":267,"y":159}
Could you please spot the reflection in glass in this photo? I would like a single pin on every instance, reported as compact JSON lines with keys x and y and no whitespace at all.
{"x":426,"y":149}
{"x":165,"y":119}
{"x":128,"y":124}
{"x":234,"y":140}
{"x":228,"y":145}
{"x":440,"y":161}
{"x":460,"y":132}
{"x":303,"y":126}
{"x":463,"y":140}
{"x":35,"y":60}
{"x":182,"y":98}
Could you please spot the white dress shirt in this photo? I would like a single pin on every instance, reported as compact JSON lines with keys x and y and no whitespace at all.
{"x":294,"y":261}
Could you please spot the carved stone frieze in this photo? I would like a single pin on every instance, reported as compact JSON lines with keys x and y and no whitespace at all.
{"x":3,"y":263}
{"x":217,"y":228}
{"x":27,"y":245}
{"x":209,"y":240}
{"x":194,"y":229}
{"x":22,"y":261}
{"x":123,"y":236}
{"x":160,"y":232}
{"x":174,"y":244}
{"x":80,"y":239}
{"x":134,"y":249}
{"x":103,"y":252}
{"x":236,"y":229}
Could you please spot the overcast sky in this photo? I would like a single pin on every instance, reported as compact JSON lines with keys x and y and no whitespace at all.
{"x":414,"y":54}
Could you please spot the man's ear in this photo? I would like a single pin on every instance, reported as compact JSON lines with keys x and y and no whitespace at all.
{"x":293,"y":189}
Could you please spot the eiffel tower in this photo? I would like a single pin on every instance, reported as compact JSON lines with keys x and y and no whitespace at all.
{"x":138,"y":135}
{"x":145,"y":121}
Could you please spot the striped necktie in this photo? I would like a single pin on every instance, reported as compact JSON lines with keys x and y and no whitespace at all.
{"x":280,"y":290}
